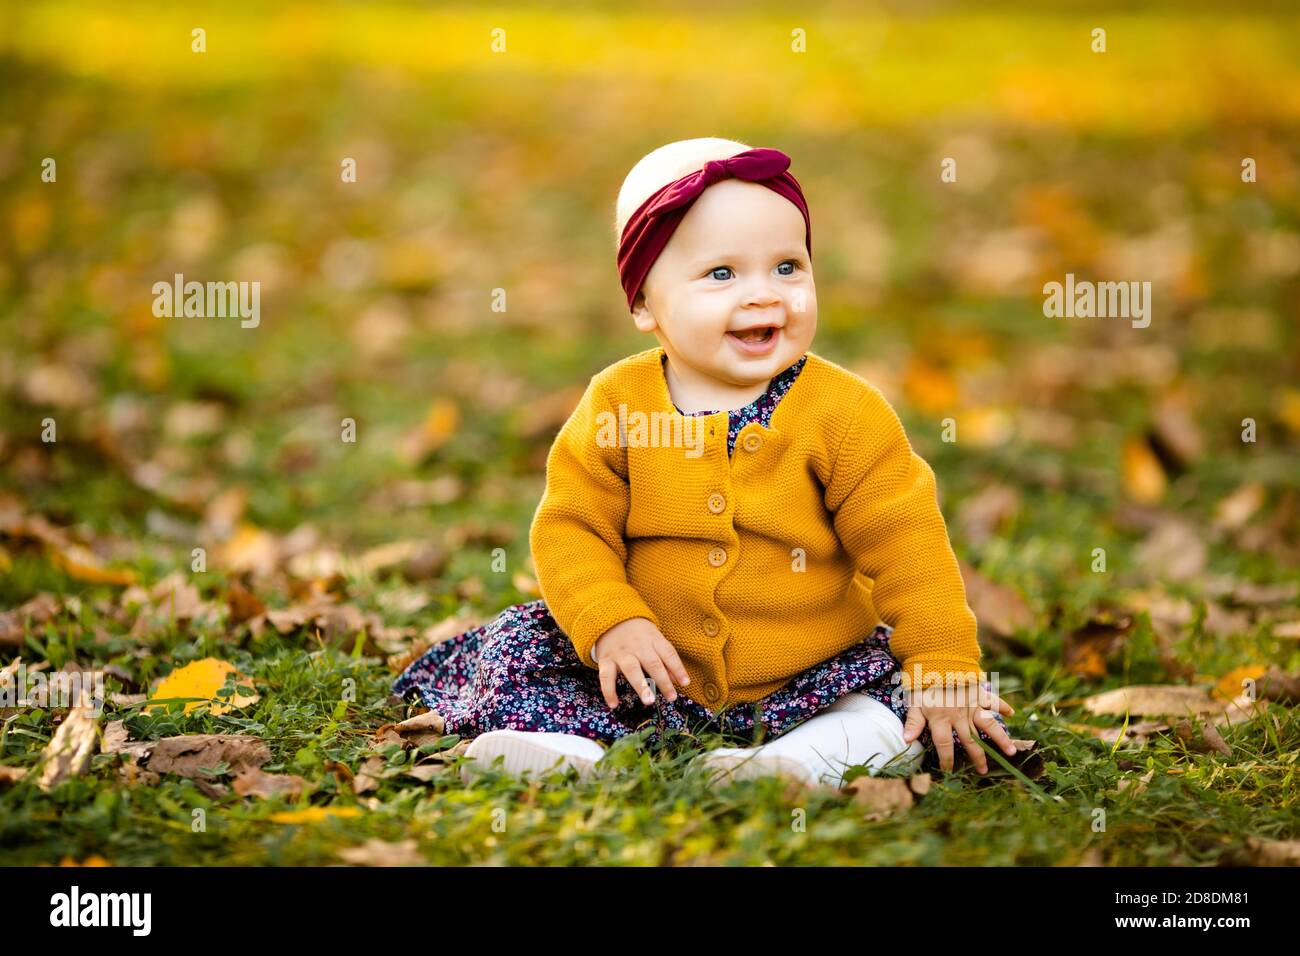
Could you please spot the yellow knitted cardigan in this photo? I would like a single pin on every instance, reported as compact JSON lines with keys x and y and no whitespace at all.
{"x":758,"y":566}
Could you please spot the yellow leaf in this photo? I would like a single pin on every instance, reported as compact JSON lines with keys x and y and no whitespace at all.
{"x":250,"y":549}
{"x":313,"y":814}
{"x":929,"y":387}
{"x":1144,"y":479}
{"x":93,"y":860}
{"x":81,"y":565}
{"x":984,"y":427}
{"x":1289,"y":408}
{"x":441,"y":423}
{"x":202,"y":679}
{"x":1230,"y":686}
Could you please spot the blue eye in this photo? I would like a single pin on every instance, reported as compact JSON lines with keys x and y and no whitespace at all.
{"x":792,"y":263}
{"x":721,"y":269}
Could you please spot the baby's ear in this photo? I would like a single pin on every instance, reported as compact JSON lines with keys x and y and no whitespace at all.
{"x":641,"y":315}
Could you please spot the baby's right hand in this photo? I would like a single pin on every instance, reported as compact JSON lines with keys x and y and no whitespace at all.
{"x":630,"y":647}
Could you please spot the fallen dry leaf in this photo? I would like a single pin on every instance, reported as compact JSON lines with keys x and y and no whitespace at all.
{"x":81,"y":565}
{"x":982,"y":515}
{"x":186,"y":754}
{"x":1153,"y":700}
{"x":1000,"y":610}
{"x":1135,"y":734}
{"x":250,"y":550}
{"x":203,"y":679}
{"x":1270,"y":852}
{"x":881,"y":796}
{"x":69,"y":751}
{"x":117,"y":740}
{"x":1138,"y":785}
{"x":1250,"y":594}
{"x":440,"y":423}
{"x":39,"y":610}
{"x":1087,"y":649}
{"x":1143,"y":477}
{"x":1233,"y":684}
{"x":369,"y":775}
{"x":244,"y":604}
{"x":379,"y":853}
{"x":1236,"y":509}
{"x":251,"y":781}
{"x":313,"y":814}
{"x":1279,"y":686}
{"x":1206,"y":741}
{"x":1174,"y":551}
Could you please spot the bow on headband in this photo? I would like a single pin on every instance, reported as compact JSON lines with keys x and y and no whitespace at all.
{"x":648,"y":230}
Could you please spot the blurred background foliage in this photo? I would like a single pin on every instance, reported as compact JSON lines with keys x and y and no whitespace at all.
{"x":480,"y":171}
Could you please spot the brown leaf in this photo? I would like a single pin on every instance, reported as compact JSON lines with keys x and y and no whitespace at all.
{"x":1174,"y":551}
{"x":11,"y":775}
{"x":1135,"y":734}
{"x":440,"y":423}
{"x":982,"y":515}
{"x":39,"y":610}
{"x":1277,"y":685}
{"x":379,"y":853}
{"x":252,"y":781}
{"x":1087,"y":649}
{"x":1175,"y":435}
{"x":881,"y":796}
{"x":1236,"y":509}
{"x":1207,"y":741}
{"x":1000,"y":610}
{"x":369,"y":776}
{"x":177,"y":596}
{"x":543,"y":416}
{"x":244,"y":604}
{"x":422,"y":728}
{"x":1271,"y":852}
{"x":117,"y":740}
{"x":1248,"y":593}
{"x":1153,"y":700}
{"x":134,"y":776}
{"x":1138,"y":785}
{"x":69,"y":751}
{"x":185,"y":754}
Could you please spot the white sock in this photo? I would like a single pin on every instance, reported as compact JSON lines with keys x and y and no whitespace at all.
{"x":855,"y":730}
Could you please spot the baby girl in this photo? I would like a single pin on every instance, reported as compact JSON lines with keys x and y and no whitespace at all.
{"x":790,"y":568}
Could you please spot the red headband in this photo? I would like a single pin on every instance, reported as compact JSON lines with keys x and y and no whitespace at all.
{"x":656,"y":219}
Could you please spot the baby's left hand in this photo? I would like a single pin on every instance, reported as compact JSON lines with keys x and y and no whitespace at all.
{"x":966,"y":721}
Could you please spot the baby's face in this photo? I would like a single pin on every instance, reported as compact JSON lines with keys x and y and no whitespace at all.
{"x":732,"y":295}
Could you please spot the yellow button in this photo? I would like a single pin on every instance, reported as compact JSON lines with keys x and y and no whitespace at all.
{"x":709,"y":626}
{"x":717,"y":503}
{"x":753,"y":442}
{"x":717,"y":557}
{"x":710,"y":691}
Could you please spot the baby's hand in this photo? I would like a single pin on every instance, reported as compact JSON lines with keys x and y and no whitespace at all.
{"x":631,"y":646}
{"x":965,"y":720}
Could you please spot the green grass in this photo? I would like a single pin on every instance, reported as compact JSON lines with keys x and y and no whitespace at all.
{"x":474,"y":181}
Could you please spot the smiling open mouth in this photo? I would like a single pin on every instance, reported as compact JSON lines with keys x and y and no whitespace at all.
{"x":756,"y":336}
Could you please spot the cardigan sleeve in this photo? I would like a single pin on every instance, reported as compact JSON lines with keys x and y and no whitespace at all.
{"x":886,"y":514}
{"x":576,"y":537}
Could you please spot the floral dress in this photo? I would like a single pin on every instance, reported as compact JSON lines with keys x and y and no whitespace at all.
{"x":521,"y":672}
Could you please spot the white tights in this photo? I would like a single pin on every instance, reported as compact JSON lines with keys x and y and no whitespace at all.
{"x":856,"y":729}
